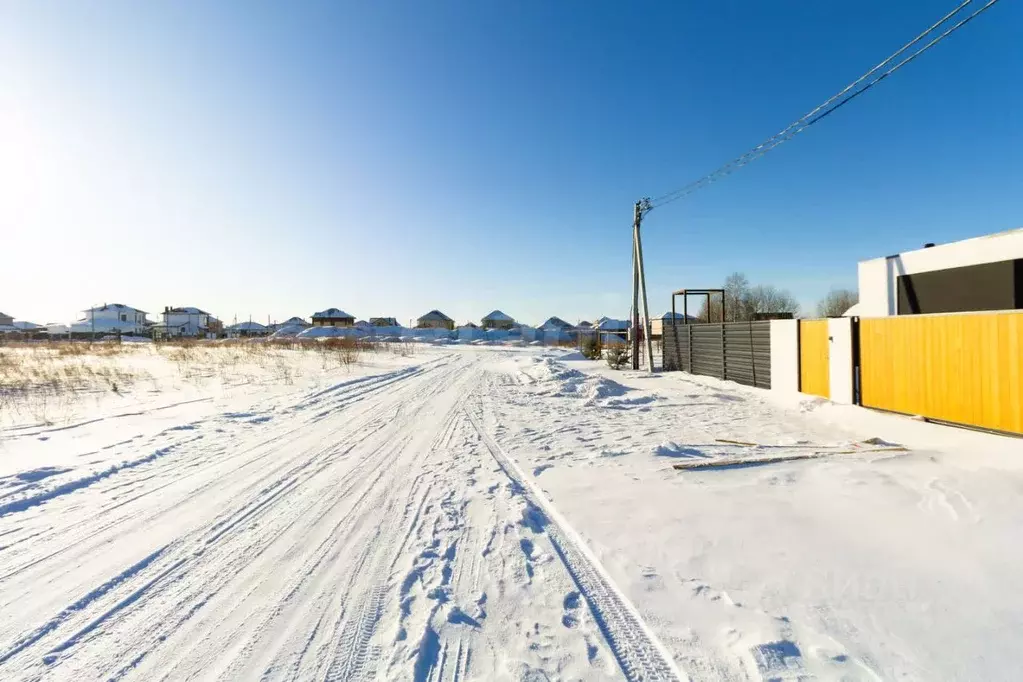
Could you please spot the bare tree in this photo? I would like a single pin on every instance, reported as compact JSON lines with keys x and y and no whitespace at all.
{"x":743,"y":302}
{"x":736,"y":288}
{"x":767,"y":298}
{"x":837,"y":302}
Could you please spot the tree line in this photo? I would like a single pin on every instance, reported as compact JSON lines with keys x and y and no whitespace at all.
{"x":744,"y":301}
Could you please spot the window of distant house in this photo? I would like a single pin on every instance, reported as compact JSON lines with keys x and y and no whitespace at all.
{"x":124,"y":318}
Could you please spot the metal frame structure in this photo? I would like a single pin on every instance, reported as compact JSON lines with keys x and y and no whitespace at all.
{"x":686,"y":293}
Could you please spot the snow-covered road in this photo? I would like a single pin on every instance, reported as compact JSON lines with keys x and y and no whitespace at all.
{"x":471,"y":515}
{"x":369,"y":529}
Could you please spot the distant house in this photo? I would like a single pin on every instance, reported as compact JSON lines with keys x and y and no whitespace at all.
{"x":291,"y":322}
{"x":607,"y":324}
{"x":6,"y":320}
{"x":112,"y":318}
{"x":611,"y":329}
{"x":384,"y":322}
{"x":246,"y":329}
{"x":497,"y":320}
{"x":585,"y":324}
{"x":659,"y":324}
{"x":21,"y":328}
{"x":185,"y":322}
{"x":333,"y":317}
{"x":362,"y":324}
{"x":469,"y":325}
{"x":555,"y":323}
{"x":435,"y":319}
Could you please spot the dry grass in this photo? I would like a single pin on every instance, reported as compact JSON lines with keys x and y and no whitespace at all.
{"x":49,"y":378}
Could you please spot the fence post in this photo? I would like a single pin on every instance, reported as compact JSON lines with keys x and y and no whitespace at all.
{"x":724,"y":365}
{"x":689,"y":329}
{"x":752,"y":355}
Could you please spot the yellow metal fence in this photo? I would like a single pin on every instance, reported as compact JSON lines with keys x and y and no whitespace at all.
{"x":814,"y":358}
{"x":962,"y":368}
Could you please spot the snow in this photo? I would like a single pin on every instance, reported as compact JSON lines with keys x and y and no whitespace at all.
{"x":328,"y":332}
{"x":289,"y":331}
{"x":491,"y":512}
{"x":246,"y":326}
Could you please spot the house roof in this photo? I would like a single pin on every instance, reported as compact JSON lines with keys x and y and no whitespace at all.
{"x":435,"y":315}
{"x":247,"y":326}
{"x":498,"y":316}
{"x":678,"y":316}
{"x":333,"y":314}
{"x":384,"y":321}
{"x":555,"y":322}
{"x":607,"y":324}
{"x":472,"y":325}
{"x":362,"y":323}
{"x":22,"y":324}
{"x":6,"y":315}
{"x":113,"y":306}
{"x":294,"y":320}
{"x":187,"y":310}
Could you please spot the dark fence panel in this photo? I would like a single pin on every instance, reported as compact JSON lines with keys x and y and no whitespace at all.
{"x":735,"y":351}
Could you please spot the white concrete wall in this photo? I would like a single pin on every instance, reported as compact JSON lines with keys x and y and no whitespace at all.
{"x":785,"y":355}
{"x":878,"y":278}
{"x":840,"y":359}
{"x":873,"y":288}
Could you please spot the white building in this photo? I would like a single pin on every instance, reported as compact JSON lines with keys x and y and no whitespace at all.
{"x":112,"y":318}
{"x":187,"y":321}
{"x":984,"y":273}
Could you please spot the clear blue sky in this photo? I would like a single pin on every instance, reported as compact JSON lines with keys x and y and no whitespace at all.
{"x":391,"y":157}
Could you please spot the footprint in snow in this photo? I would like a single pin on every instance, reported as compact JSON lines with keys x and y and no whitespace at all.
{"x":570,"y":619}
{"x":542,"y":468}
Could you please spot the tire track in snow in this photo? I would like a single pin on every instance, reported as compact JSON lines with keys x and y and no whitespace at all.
{"x":170,"y":471}
{"x":281,"y":483}
{"x":640,"y":654}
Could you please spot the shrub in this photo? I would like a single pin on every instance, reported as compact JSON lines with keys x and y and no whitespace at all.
{"x":617,"y":356}
{"x":590,"y":348}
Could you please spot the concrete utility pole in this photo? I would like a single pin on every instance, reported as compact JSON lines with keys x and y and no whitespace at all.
{"x":639,"y":283}
{"x":634,"y":309}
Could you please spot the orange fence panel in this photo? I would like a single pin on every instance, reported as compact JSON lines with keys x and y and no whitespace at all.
{"x":963,"y":368}
{"x":814,"y":363}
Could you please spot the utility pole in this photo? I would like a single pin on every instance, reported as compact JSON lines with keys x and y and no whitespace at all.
{"x":637,"y":217}
{"x":638,"y":284}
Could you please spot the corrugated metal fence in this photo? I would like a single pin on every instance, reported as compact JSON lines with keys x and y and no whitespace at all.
{"x":735,"y":351}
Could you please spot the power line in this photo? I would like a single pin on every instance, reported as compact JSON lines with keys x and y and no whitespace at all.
{"x":833,"y":103}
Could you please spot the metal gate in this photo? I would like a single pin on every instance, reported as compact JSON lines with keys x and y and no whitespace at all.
{"x":814,"y":358}
{"x":735,"y":351}
{"x":963,"y":368}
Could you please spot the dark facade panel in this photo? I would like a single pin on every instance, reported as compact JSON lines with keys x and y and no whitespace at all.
{"x":990,"y":286}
